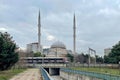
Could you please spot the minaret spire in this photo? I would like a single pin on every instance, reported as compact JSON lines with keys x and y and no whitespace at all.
{"x":74,"y":35}
{"x":39,"y":33}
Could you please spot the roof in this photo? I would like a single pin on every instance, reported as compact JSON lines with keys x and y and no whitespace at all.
{"x":58,"y":44}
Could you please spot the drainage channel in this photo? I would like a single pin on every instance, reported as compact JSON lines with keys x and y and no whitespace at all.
{"x":54,"y":73}
{"x":56,"y":77}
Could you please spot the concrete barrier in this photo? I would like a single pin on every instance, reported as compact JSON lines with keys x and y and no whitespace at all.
{"x":85,"y":75}
{"x":45,"y":74}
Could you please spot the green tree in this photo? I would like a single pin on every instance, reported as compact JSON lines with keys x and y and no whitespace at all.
{"x":99,"y":59}
{"x":38,"y":54}
{"x":70,"y":57}
{"x":8,"y":54}
{"x":106,"y":59}
{"x":114,"y":56}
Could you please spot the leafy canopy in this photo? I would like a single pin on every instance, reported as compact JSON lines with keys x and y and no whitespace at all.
{"x":8,"y":55}
{"x":114,"y":55}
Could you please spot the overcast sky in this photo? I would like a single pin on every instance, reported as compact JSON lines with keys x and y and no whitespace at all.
{"x":98,"y":22}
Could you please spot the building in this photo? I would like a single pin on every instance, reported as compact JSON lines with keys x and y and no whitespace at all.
{"x":33,"y":47}
{"x":107,"y":51}
{"x":57,"y":49}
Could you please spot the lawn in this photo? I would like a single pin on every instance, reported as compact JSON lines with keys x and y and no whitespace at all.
{"x":6,"y":75}
{"x":100,"y":70}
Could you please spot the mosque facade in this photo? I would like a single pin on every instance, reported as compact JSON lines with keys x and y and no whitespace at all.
{"x":57,"y":49}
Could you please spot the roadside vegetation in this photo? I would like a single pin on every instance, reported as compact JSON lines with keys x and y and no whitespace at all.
{"x":100,"y":70}
{"x":7,"y":74}
{"x":8,"y":51}
{"x":114,"y":55}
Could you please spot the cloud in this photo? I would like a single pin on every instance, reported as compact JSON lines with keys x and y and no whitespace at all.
{"x":98,"y":2}
{"x":50,"y":38}
{"x":83,"y":1}
{"x":84,"y":42}
{"x":4,"y":7}
{"x":97,"y":22}
{"x":3,"y":29}
{"x":108,"y":11}
{"x":46,"y":47}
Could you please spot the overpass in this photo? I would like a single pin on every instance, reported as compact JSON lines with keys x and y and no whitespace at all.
{"x":51,"y":64}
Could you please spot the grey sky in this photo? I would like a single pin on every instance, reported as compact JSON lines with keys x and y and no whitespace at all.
{"x":98,"y":23}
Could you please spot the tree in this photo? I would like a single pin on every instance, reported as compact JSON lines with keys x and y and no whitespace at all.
{"x":80,"y":58}
{"x":70,"y":57}
{"x":106,"y":59}
{"x":8,"y":54}
{"x":114,"y":56}
{"x":22,"y":62}
{"x":86,"y":56}
{"x":38,"y":54}
{"x":99,"y":59}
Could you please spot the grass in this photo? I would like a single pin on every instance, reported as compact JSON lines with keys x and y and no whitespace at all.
{"x":100,"y":70}
{"x":6,"y":75}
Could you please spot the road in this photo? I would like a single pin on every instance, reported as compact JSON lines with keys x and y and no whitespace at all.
{"x":30,"y":74}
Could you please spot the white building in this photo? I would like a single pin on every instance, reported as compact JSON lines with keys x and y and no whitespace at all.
{"x":33,"y":47}
{"x":107,"y":51}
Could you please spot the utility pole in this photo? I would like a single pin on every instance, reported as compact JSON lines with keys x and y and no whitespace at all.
{"x":89,"y":52}
{"x":89,"y":57}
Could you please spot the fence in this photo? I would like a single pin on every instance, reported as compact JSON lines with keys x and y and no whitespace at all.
{"x":45,"y":74}
{"x":94,"y":65}
{"x":92,"y":74}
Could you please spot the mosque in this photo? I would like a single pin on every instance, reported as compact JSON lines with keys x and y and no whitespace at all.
{"x":57,"y":49}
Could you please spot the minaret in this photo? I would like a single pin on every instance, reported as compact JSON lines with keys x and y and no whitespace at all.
{"x":39,"y":33}
{"x":74,"y":35}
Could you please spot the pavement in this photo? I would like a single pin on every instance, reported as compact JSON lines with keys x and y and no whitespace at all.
{"x":30,"y":74}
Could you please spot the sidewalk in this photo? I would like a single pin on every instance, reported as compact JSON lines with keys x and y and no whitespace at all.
{"x":30,"y":74}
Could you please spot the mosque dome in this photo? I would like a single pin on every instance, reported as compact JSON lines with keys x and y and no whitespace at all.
{"x":58,"y":44}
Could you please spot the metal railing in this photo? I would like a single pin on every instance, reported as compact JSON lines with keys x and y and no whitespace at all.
{"x":92,"y":74}
{"x":45,"y":74}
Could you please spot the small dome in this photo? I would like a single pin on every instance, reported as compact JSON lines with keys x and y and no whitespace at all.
{"x":58,"y":44}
